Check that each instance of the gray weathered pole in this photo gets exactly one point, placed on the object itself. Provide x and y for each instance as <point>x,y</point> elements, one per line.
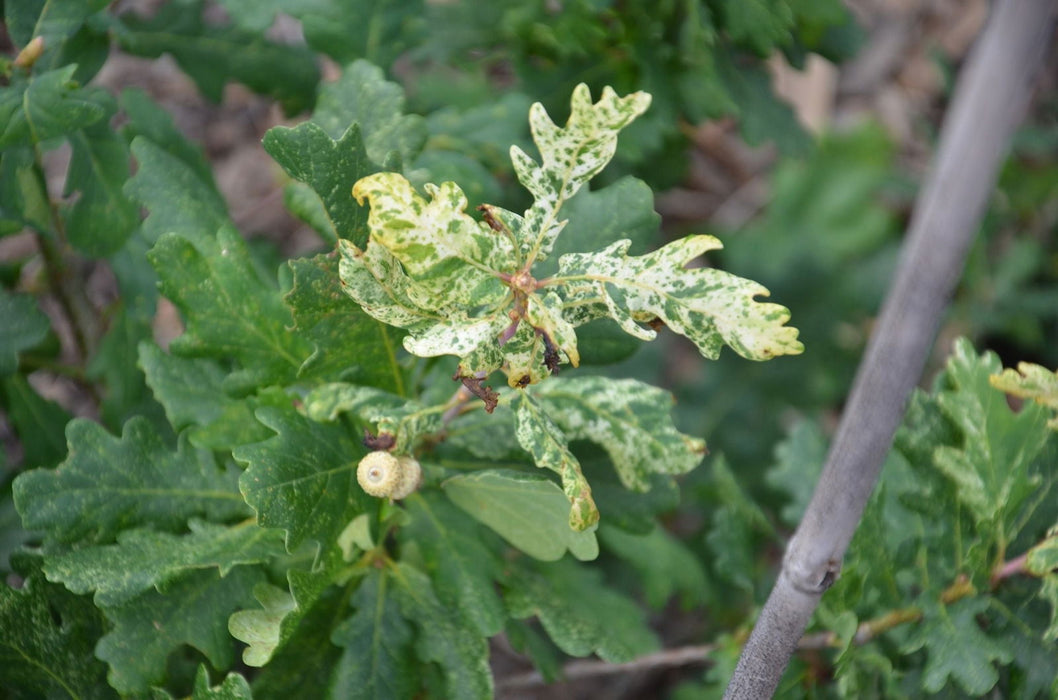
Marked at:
<point>989,101</point>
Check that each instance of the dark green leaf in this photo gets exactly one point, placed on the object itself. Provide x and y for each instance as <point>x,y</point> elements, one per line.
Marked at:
<point>47,635</point>
<point>231,309</point>
<point>303,479</point>
<point>38,423</point>
<point>462,568</point>
<point>53,20</point>
<point>212,55</point>
<point>664,564</point>
<point>24,199</point>
<point>145,559</point>
<point>102,217</point>
<point>233,687</point>
<point>443,636</point>
<point>579,613</point>
<point>363,96</point>
<point>124,392</point>
<point>376,30</point>
<point>957,648</point>
<point>108,484</point>
<point>760,25</point>
<point>49,105</point>
<point>798,461</point>
<point>24,327</point>
<point>347,340</point>
<point>376,659</point>
<point>329,167</point>
<point>193,610</point>
<point>528,511</point>
<point>178,196</point>
<point>191,390</point>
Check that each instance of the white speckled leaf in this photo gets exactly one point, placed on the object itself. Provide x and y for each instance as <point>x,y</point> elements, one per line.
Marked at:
<point>569,157</point>
<point>541,438</point>
<point>453,259</point>
<point>627,418</point>
<point>710,307</point>
<point>406,421</point>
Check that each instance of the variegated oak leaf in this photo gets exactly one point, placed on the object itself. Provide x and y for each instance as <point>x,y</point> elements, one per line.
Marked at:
<point>466,287</point>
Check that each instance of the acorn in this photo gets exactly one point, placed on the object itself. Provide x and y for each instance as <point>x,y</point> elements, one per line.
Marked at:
<point>384,475</point>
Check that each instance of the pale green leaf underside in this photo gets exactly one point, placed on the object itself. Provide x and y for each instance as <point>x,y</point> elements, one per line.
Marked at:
<point>529,512</point>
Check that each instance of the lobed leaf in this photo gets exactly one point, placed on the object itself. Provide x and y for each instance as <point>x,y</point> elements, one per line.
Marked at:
<point>376,642</point>
<point>47,635</point>
<point>569,157</point>
<point>708,306</point>
<point>271,625</point>
<point>627,418</point>
<point>579,613</point>
<point>230,308</point>
<point>303,479</point>
<point>348,343</point>
<point>443,636</point>
<point>957,648</point>
<point>665,565</point>
<point>102,217</point>
<point>108,484</point>
<point>193,610</point>
<point>529,512</point>
<point>461,567</point>
<point>992,468</point>
<point>541,438</point>
<point>405,421</point>
<point>48,105</point>
<point>144,559</point>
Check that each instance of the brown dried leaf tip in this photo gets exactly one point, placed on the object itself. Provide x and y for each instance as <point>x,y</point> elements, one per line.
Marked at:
<point>384,441</point>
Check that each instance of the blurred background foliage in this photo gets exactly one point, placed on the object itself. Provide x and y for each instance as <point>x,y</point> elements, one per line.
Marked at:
<point>810,197</point>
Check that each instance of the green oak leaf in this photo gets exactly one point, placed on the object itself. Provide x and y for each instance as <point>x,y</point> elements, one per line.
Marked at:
<point>24,326</point>
<point>38,422</point>
<point>798,461</point>
<point>1031,382</point>
<point>192,392</point>
<point>102,216</point>
<point>376,643</point>
<point>268,627</point>
<point>24,199</point>
<point>147,119</point>
<point>108,484</point>
<point>461,566</point>
<point>230,308</point>
<point>348,342</point>
<point>178,194</point>
<point>627,418</point>
<point>758,24</point>
<point>376,30</point>
<point>993,468</point>
<point>540,437</point>
<point>665,565</point>
<point>363,96</point>
<point>48,105</point>
<point>214,54</point>
<point>444,637</point>
<point>233,687</point>
<point>329,167</point>
<point>710,307</point>
<point>47,636</point>
<point>957,647</point>
<point>145,559</point>
<point>531,513</point>
<point>192,610</point>
<point>303,479</point>
<point>579,613</point>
